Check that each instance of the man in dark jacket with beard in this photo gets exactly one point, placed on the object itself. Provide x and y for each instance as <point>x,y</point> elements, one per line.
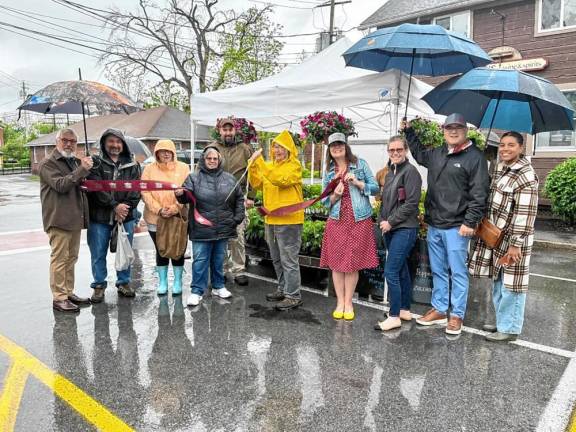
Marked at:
<point>108,208</point>
<point>458,186</point>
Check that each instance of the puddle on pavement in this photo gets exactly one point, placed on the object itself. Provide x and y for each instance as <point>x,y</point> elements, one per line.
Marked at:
<point>271,314</point>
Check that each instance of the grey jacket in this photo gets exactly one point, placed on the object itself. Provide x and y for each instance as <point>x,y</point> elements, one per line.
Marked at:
<point>401,195</point>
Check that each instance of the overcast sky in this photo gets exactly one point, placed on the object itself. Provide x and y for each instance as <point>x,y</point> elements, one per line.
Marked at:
<point>39,64</point>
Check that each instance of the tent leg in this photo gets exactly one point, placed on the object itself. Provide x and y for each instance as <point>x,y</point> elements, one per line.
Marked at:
<point>312,163</point>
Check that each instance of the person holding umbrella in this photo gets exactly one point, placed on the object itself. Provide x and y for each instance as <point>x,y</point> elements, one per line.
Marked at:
<point>115,162</point>
<point>458,186</point>
<point>512,207</point>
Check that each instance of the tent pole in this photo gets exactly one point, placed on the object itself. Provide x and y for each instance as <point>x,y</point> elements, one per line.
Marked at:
<point>312,163</point>
<point>409,82</point>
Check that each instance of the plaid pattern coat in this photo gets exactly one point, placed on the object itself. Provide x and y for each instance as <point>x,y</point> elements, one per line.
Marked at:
<point>512,207</point>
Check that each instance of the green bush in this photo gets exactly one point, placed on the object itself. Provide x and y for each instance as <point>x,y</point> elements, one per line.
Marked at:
<point>431,135</point>
<point>560,187</point>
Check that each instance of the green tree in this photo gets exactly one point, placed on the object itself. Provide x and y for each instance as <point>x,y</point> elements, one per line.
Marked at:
<point>250,53</point>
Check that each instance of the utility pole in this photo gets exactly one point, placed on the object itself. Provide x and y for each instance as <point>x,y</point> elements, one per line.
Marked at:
<point>332,4</point>
<point>24,95</point>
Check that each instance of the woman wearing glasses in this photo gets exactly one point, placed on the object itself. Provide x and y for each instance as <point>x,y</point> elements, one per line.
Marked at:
<point>399,224</point>
<point>222,203</point>
<point>348,245</point>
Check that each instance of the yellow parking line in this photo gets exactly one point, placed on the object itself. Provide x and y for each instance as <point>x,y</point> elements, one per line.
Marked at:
<point>12,394</point>
<point>86,406</point>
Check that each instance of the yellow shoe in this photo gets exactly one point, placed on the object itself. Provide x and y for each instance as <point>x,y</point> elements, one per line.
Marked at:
<point>349,316</point>
<point>338,314</point>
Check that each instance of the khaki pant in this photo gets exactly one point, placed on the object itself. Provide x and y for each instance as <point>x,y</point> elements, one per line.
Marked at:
<point>65,246</point>
<point>236,262</point>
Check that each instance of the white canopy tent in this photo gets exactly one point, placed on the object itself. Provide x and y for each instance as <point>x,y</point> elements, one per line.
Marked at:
<point>323,82</point>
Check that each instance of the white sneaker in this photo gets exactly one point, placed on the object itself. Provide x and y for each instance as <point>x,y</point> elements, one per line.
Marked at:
<point>194,300</point>
<point>221,292</point>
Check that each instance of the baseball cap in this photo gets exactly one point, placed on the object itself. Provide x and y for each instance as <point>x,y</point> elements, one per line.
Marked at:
<point>455,118</point>
<point>225,121</point>
<point>336,137</point>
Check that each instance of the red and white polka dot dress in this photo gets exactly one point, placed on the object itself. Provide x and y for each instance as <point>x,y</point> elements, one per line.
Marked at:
<point>348,246</point>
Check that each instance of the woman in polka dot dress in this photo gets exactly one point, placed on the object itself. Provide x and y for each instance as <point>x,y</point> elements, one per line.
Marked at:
<point>348,245</point>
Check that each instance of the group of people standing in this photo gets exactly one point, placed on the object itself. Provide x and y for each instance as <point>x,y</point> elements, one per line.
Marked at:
<point>460,195</point>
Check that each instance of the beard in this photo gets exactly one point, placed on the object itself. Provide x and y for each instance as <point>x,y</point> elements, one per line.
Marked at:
<point>229,140</point>
<point>67,154</point>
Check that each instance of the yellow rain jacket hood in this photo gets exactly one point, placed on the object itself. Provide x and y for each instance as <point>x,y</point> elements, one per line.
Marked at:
<point>280,182</point>
<point>172,172</point>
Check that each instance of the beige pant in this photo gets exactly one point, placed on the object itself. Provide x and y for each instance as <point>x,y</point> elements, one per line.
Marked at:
<point>65,246</point>
<point>236,262</point>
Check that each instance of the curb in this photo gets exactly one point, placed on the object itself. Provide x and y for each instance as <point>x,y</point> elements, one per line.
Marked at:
<point>546,244</point>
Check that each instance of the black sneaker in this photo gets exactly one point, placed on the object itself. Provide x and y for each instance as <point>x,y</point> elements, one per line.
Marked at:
<point>288,303</point>
<point>275,296</point>
<point>241,280</point>
<point>126,290</point>
<point>98,295</point>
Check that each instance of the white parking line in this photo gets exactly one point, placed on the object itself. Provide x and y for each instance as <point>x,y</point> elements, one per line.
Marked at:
<point>21,232</point>
<point>553,277</point>
<point>557,413</point>
<point>526,344</point>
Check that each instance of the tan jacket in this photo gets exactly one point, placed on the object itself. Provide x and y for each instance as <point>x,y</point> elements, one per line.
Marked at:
<point>64,204</point>
<point>173,172</point>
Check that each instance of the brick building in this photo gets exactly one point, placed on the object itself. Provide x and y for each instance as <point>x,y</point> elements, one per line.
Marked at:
<point>536,36</point>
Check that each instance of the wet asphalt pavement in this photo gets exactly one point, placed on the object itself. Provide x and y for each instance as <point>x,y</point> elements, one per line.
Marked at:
<point>238,365</point>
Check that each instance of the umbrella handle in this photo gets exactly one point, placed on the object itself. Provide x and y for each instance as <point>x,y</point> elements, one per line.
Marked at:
<point>409,82</point>
<point>493,117</point>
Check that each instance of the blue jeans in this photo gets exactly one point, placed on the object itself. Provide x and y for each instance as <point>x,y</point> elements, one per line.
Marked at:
<point>509,306</point>
<point>400,243</point>
<point>448,251</point>
<point>208,256</point>
<point>98,242</point>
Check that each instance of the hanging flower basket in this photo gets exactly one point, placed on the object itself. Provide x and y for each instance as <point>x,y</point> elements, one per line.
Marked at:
<point>318,126</point>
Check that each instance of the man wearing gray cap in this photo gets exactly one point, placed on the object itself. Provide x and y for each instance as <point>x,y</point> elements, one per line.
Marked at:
<point>458,187</point>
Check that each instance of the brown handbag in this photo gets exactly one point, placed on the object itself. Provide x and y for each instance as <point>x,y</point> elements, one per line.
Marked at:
<point>172,235</point>
<point>489,233</point>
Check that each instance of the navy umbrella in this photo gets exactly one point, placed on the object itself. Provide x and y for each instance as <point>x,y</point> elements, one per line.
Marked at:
<point>504,99</point>
<point>416,49</point>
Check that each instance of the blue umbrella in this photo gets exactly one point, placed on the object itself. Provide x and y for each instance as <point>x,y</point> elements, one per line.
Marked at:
<point>416,49</point>
<point>504,99</point>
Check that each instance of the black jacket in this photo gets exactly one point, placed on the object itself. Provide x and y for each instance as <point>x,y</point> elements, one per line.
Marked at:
<point>458,183</point>
<point>211,187</point>
<point>102,204</point>
<point>401,195</point>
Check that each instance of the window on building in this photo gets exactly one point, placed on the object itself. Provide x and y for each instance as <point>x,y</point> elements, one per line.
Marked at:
<point>458,23</point>
<point>557,14</point>
<point>559,140</point>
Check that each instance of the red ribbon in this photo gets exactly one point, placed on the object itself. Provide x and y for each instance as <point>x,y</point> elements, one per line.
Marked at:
<point>141,186</point>
<point>283,211</point>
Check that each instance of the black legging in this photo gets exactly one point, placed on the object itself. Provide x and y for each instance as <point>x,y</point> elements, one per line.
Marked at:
<point>162,261</point>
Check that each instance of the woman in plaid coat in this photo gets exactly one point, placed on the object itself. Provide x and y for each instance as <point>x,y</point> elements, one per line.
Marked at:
<point>512,207</point>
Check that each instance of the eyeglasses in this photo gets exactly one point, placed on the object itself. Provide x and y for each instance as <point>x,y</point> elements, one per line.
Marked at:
<point>211,158</point>
<point>454,128</point>
<point>68,141</point>
<point>398,150</point>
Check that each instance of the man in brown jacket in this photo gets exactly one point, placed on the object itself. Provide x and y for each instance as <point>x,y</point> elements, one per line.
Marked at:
<point>64,215</point>
<point>235,157</point>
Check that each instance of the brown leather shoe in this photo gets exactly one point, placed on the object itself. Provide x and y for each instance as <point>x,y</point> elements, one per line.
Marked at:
<point>454,326</point>
<point>432,317</point>
<point>79,300</point>
<point>64,306</point>
<point>98,295</point>
<point>125,290</point>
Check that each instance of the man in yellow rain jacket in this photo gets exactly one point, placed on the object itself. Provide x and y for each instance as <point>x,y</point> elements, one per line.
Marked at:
<point>281,183</point>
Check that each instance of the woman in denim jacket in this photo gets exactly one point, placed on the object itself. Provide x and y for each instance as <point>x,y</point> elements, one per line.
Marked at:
<point>348,245</point>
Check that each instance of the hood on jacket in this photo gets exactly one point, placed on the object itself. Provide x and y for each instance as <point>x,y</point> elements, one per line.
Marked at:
<point>202,162</point>
<point>284,139</point>
<point>165,144</point>
<point>118,134</point>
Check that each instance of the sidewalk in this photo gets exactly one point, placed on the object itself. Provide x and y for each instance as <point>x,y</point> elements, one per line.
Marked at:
<point>547,237</point>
